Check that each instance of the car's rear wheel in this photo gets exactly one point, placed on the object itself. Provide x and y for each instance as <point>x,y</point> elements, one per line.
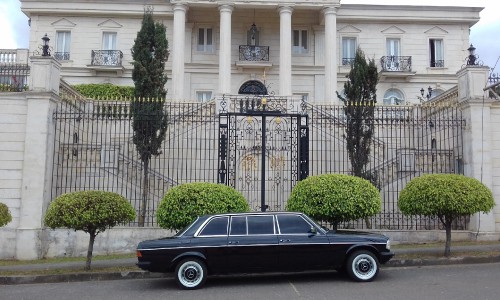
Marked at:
<point>362,265</point>
<point>191,273</point>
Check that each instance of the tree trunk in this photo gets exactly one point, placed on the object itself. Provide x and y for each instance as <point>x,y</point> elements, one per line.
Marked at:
<point>447,246</point>
<point>145,192</point>
<point>90,250</point>
<point>368,223</point>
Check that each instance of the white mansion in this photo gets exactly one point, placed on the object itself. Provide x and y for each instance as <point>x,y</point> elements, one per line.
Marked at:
<point>301,48</point>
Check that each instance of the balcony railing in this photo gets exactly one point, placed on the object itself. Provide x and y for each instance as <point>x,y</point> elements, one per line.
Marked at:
<point>347,61</point>
<point>254,53</point>
<point>437,64</point>
<point>396,63</point>
<point>112,58</point>
<point>61,55</point>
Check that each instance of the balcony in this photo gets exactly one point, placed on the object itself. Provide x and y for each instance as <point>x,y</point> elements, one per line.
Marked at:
<point>107,61</point>
<point>437,64</point>
<point>396,66</point>
<point>253,57</point>
<point>347,62</point>
<point>61,55</point>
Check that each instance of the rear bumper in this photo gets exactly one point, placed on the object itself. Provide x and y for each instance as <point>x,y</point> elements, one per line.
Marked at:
<point>145,265</point>
<point>385,256</point>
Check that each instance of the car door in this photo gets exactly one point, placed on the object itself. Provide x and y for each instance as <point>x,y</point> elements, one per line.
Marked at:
<point>211,241</point>
<point>301,248</point>
<point>252,244</point>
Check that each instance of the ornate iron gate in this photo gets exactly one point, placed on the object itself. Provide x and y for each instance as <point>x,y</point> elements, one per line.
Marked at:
<point>263,152</point>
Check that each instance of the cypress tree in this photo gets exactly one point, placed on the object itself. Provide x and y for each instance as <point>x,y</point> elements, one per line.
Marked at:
<point>359,107</point>
<point>149,119</point>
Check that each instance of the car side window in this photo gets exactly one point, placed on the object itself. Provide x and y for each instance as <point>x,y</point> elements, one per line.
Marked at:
<point>216,226</point>
<point>260,224</point>
<point>293,224</point>
<point>238,226</point>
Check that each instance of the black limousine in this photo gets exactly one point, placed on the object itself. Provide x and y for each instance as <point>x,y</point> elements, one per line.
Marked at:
<point>262,242</point>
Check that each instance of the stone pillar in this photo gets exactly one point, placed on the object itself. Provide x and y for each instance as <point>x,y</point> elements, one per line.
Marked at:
<point>285,50</point>
<point>178,44</point>
<point>225,49</point>
<point>38,155</point>
<point>330,14</point>
<point>477,136</point>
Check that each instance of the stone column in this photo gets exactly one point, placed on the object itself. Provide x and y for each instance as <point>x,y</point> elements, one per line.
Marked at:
<point>225,49</point>
<point>330,14</point>
<point>38,155</point>
<point>285,50</point>
<point>178,43</point>
<point>478,151</point>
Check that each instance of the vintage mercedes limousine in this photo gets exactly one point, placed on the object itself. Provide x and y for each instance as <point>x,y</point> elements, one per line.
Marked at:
<point>262,242</point>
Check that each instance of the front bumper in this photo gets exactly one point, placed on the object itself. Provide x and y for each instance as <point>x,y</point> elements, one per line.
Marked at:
<point>385,256</point>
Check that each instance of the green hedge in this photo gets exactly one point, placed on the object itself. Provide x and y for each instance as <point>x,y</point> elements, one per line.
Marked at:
<point>105,91</point>
<point>183,203</point>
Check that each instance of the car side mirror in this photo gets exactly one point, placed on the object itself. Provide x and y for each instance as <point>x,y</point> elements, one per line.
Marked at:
<point>313,230</point>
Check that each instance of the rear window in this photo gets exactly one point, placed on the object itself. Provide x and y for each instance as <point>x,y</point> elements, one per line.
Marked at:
<point>216,226</point>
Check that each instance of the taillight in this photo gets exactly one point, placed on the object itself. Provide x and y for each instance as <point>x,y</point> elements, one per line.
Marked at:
<point>138,253</point>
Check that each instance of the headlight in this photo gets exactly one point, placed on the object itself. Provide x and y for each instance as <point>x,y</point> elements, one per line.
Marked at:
<point>388,245</point>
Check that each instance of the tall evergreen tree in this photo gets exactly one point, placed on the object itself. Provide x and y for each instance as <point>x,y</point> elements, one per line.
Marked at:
<point>359,107</point>
<point>149,119</point>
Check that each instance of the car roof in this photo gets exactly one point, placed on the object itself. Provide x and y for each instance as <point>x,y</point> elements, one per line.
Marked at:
<point>252,213</point>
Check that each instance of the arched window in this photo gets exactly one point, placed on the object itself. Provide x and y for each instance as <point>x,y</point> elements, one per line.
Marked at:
<point>253,87</point>
<point>394,97</point>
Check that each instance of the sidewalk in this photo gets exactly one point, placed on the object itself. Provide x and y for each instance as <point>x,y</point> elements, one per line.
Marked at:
<point>426,254</point>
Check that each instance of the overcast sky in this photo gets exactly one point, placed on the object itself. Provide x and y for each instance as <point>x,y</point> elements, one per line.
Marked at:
<point>485,35</point>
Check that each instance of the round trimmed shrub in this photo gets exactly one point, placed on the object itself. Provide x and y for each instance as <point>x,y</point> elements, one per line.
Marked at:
<point>5,216</point>
<point>335,198</point>
<point>447,196</point>
<point>183,203</point>
<point>89,211</point>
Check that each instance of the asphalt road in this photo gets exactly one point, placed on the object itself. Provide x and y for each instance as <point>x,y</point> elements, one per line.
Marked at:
<point>455,282</point>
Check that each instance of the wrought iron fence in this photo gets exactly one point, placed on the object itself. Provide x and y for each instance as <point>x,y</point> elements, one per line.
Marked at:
<point>94,150</point>
<point>14,77</point>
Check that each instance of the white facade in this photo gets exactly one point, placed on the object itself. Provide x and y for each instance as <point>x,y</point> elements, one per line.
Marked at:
<point>309,44</point>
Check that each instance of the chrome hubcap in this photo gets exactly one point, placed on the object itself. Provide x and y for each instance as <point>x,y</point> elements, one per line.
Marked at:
<point>190,274</point>
<point>364,266</point>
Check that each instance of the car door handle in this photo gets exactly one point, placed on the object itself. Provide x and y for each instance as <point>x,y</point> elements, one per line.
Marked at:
<point>235,242</point>
<point>284,241</point>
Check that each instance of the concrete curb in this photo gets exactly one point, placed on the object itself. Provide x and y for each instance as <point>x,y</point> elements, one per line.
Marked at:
<point>99,276</point>
<point>75,277</point>
<point>442,261</point>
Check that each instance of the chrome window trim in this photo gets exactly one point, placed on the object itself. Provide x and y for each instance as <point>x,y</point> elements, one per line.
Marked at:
<point>204,224</point>
<point>307,220</point>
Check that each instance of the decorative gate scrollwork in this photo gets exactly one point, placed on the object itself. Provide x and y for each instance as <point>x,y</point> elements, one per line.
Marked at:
<point>263,152</point>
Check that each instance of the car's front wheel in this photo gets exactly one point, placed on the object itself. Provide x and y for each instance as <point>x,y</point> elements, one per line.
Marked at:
<point>362,265</point>
<point>191,273</point>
